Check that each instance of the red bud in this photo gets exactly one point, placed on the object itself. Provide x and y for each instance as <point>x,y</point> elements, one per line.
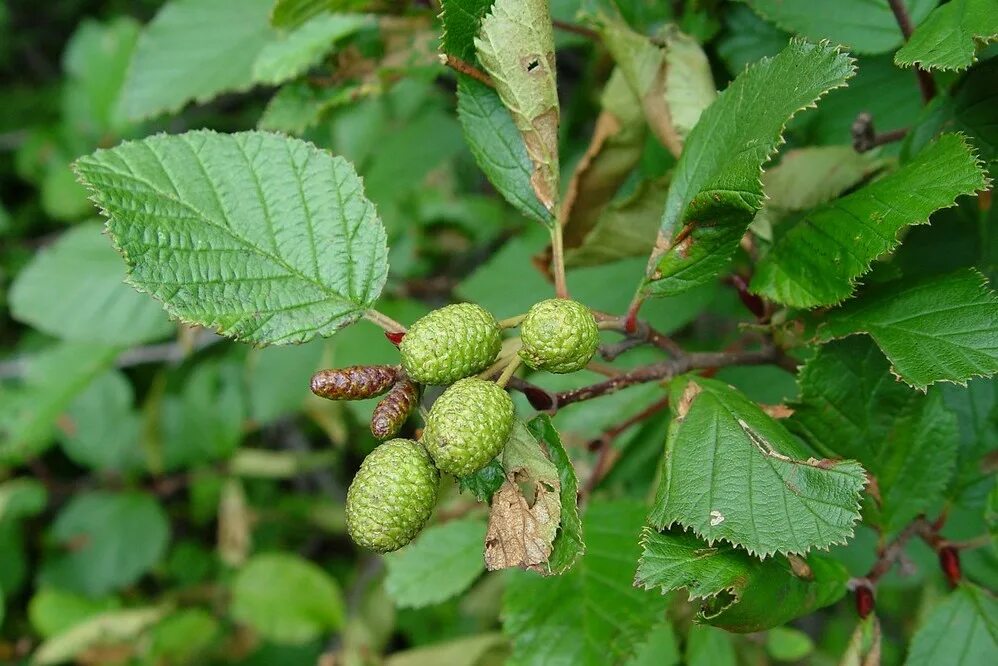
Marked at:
<point>395,337</point>
<point>949,560</point>
<point>865,602</point>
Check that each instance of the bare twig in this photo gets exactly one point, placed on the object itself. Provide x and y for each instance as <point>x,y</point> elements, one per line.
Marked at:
<point>604,444</point>
<point>666,370</point>
<point>576,29</point>
<point>865,138</point>
<point>637,332</point>
<point>925,82</point>
<point>463,67</point>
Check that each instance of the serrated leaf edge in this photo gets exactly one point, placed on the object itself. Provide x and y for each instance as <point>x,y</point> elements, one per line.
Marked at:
<point>130,262</point>
<point>856,282</point>
<point>666,244</point>
<point>819,338</point>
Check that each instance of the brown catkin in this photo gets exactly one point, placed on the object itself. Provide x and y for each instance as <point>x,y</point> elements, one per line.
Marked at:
<point>394,409</point>
<point>354,383</point>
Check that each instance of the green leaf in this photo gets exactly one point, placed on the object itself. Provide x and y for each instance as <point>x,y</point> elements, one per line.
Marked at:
<point>498,147</point>
<point>485,482</point>
<point>818,261</point>
<point>202,421</point>
<point>736,591</point>
<point>747,38</point>
<point>28,412</point>
<point>442,562</point>
<point>298,51</point>
<point>106,541</point>
<point>951,35</point>
<point>262,237</point>
<point>709,646</point>
<point>616,146</point>
<point>786,644</point>
<point>976,409</point>
<point>568,545</point>
<point>95,61</point>
<point>592,615</point>
<point>83,274</point>
<point>183,636</point>
<point>660,649</point>
<point>516,47</point>
<point>625,228</point>
<point>101,426</point>
<point>913,474</point>
<point>194,50</point>
<point>716,189</point>
<point>671,78</point>
<point>732,472</point>
<point>53,611</point>
<point>21,498</point>
<point>848,401</point>
<point>939,329</point>
<point>298,106</point>
<point>473,650</point>
<point>111,627</point>
<point>292,13</point>
<point>971,108</point>
<point>461,20</point>
<point>861,25</point>
<point>961,631</point>
<point>851,406</point>
<point>807,177</point>
<point>286,599</point>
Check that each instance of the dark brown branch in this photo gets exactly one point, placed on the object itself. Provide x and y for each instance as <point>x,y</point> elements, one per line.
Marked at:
<point>638,333</point>
<point>665,370</point>
<point>576,29</point>
<point>463,67</point>
<point>865,137</point>
<point>889,556</point>
<point>925,82</point>
<point>604,444</point>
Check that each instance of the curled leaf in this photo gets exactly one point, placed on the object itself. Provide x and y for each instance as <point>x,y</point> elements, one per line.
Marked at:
<point>516,47</point>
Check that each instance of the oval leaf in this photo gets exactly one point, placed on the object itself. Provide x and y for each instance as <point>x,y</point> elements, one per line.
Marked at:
<point>262,237</point>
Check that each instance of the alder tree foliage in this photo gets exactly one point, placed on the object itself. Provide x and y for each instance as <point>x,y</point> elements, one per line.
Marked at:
<point>680,316</point>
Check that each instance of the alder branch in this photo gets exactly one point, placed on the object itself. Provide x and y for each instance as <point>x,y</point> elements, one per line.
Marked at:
<point>604,444</point>
<point>463,67</point>
<point>865,137</point>
<point>576,29</point>
<point>903,18</point>
<point>637,334</point>
<point>665,370</point>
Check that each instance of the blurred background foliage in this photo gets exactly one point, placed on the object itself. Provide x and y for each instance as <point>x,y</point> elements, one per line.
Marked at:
<point>167,497</point>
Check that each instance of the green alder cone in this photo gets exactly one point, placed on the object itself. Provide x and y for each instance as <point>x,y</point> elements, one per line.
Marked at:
<point>392,496</point>
<point>559,336</point>
<point>450,343</point>
<point>468,426</point>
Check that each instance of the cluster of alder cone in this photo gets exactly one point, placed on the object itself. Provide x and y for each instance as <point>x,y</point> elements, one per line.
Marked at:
<point>458,346</point>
